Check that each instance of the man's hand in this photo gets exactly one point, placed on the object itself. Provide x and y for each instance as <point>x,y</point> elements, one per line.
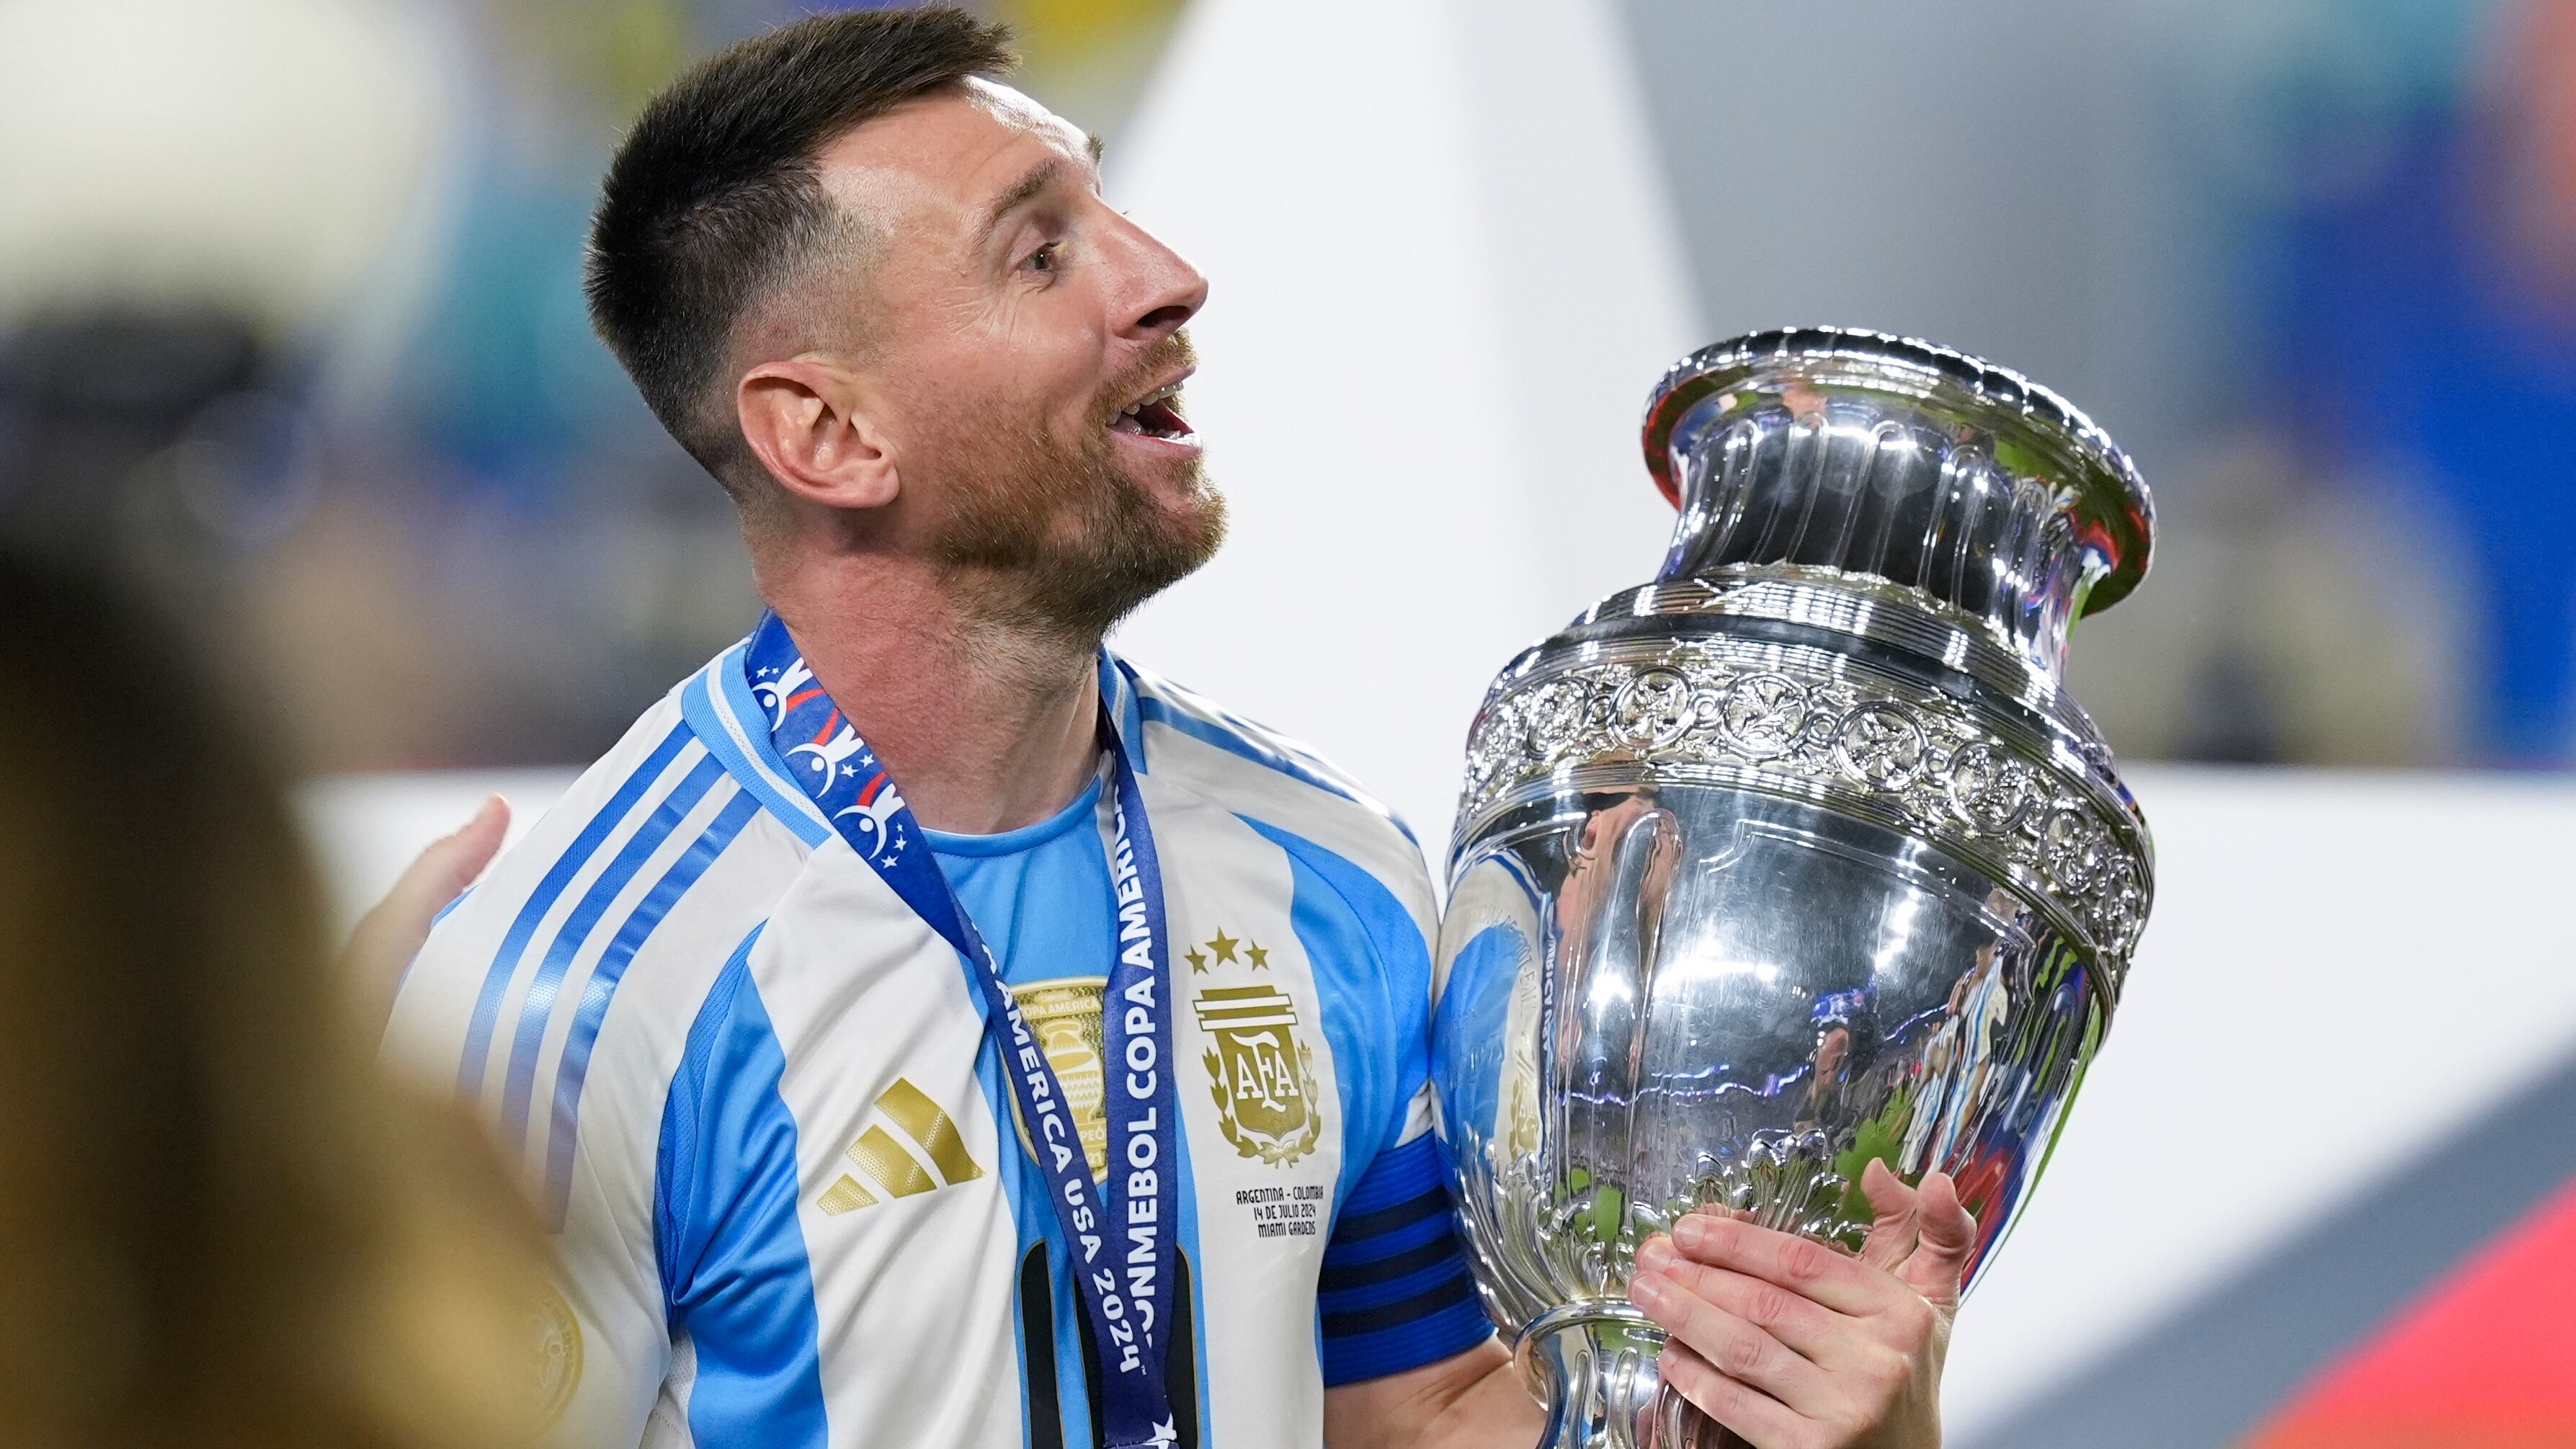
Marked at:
<point>1796,1346</point>
<point>387,937</point>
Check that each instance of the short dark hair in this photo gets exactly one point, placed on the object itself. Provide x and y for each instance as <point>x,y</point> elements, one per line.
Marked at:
<point>713,197</point>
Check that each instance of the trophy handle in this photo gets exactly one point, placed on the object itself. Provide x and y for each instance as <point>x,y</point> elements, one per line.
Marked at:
<point>1592,1365</point>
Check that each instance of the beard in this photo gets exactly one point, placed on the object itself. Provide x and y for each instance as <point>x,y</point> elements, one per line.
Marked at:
<point>1052,535</point>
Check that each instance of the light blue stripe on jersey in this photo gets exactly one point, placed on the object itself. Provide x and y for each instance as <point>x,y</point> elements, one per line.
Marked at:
<point>725,1215</point>
<point>720,709</point>
<point>602,986</point>
<point>1403,1299</point>
<point>1118,687</point>
<point>537,1008</point>
<point>505,962</point>
<point>1370,963</point>
<point>1235,741</point>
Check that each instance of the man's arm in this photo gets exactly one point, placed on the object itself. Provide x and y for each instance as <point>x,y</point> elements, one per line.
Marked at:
<point>1781,1339</point>
<point>381,946</point>
<point>610,1321</point>
<point>1470,1401</point>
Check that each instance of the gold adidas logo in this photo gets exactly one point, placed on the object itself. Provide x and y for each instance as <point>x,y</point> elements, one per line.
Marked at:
<point>896,1169</point>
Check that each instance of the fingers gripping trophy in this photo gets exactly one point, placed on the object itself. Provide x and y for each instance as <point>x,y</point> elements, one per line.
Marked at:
<point>1795,859</point>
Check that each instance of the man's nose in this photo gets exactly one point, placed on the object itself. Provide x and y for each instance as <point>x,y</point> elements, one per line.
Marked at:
<point>1166,290</point>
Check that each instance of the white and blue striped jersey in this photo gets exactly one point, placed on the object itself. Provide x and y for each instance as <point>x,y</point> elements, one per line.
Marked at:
<point>759,1107</point>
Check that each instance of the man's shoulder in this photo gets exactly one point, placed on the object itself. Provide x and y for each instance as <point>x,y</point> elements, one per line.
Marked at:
<point>637,884</point>
<point>1281,787</point>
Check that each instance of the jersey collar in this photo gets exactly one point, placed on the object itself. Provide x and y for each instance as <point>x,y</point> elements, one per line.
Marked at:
<point>731,722</point>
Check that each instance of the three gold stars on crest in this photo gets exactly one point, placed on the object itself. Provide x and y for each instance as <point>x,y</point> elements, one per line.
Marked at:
<point>1221,950</point>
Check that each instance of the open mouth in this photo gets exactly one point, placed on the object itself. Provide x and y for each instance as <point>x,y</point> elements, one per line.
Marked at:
<point>1154,416</point>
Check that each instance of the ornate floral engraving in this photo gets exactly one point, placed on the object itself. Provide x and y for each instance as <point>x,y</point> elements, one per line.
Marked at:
<point>1926,757</point>
<point>1988,787</point>
<point>1881,745</point>
<point>1655,707</point>
<point>1763,713</point>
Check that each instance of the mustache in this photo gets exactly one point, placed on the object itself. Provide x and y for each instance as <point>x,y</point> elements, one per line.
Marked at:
<point>1168,355</point>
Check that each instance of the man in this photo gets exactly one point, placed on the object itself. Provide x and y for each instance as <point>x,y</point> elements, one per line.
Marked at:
<point>925,1028</point>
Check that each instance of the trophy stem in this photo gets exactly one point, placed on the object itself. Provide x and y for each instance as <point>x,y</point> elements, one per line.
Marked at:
<point>1594,1367</point>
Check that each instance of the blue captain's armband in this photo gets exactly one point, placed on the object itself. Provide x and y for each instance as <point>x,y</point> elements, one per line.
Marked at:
<point>1394,1293</point>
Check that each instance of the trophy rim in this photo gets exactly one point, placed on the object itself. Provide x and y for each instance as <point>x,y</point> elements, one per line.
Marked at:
<point>2110,482</point>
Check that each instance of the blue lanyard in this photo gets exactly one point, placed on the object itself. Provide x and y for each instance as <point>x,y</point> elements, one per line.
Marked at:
<point>1123,1249</point>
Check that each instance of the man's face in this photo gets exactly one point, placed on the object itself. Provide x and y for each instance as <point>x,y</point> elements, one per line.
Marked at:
<point>1024,341</point>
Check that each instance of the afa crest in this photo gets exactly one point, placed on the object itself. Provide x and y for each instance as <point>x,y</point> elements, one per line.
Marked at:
<point>1262,1076</point>
<point>554,1354</point>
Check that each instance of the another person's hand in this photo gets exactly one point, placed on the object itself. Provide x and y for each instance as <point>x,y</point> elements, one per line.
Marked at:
<point>1794,1345</point>
<point>388,936</point>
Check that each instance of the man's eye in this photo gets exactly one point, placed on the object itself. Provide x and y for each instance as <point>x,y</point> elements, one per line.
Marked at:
<point>1044,259</point>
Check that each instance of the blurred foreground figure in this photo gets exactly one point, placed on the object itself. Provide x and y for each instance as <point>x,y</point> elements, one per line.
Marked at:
<point>217,1227</point>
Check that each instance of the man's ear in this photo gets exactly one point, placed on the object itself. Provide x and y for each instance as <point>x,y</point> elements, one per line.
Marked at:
<point>807,422</point>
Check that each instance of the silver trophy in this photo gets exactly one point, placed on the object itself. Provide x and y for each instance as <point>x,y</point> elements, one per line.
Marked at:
<point>1795,857</point>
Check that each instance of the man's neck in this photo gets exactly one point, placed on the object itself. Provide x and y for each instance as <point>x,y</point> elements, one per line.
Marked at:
<point>986,727</point>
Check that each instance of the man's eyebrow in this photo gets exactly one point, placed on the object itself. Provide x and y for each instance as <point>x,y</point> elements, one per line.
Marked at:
<point>1095,146</point>
<point>1022,192</point>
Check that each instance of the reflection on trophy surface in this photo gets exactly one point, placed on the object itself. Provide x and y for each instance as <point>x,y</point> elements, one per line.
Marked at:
<point>1795,857</point>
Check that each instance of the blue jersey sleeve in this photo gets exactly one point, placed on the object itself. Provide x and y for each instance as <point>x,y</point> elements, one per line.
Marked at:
<point>735,1277</point>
